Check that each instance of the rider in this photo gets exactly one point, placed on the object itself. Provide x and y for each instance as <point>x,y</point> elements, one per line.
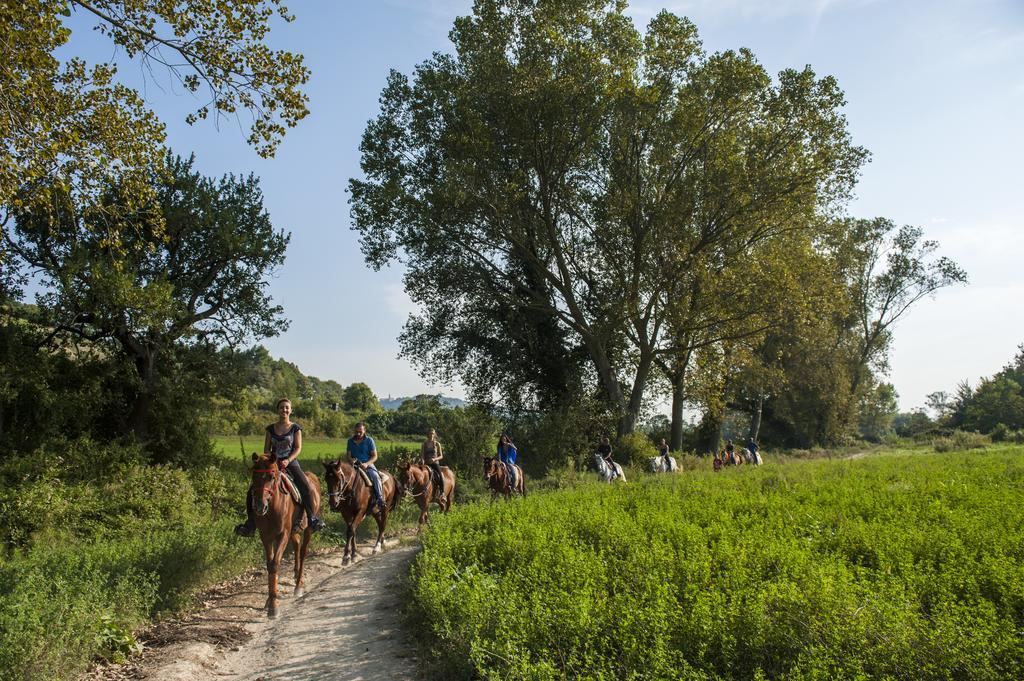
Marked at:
<point>431,452</point>
<point>363,451</point>
<point>507,455</point>
<point>284,440</point>
<point>605,450</point>
<point>663,452</point>
<point>752,447</point>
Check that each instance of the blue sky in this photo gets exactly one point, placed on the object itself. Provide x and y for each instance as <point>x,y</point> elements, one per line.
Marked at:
<point>935,91</point>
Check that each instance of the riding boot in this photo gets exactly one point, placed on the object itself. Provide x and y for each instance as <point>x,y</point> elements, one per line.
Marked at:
<point>248,528</point>
<point>315,524</point>
<point>297,518</point>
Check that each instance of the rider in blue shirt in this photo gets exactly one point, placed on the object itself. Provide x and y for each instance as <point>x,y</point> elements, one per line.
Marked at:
<point>363,451</point>
<point>507,455</point>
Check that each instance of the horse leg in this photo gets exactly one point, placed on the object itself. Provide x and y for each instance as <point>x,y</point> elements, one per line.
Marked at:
<point>273,563</point>
<point>349,534</point>
<point>382,522</point>
<point>355,528</point>
<point>423,512</point>
<point>299,558</point>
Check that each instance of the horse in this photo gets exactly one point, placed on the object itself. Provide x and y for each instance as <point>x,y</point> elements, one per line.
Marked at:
<point>274,510</point>
<point>656,464</point>
<point>496,476</point>
<point>606,472</point>
<point>352,496</point>
<point>416,478</point>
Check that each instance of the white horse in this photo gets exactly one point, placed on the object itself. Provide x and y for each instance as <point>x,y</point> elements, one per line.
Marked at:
<point>606,472</point>
<point>656,464</point>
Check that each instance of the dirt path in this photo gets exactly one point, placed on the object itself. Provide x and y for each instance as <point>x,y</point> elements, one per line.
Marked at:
<point>345,628</point>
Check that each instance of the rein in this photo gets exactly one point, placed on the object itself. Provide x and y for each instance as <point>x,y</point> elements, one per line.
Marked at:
<point>272,487</point>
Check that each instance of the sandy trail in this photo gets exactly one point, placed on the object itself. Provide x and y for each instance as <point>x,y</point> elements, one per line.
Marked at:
<point>345,628</point>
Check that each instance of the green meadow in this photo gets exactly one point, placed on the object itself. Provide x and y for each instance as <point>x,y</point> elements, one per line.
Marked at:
<point>906,566</point>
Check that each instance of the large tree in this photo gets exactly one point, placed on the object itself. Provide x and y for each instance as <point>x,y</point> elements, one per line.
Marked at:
<point>559,161</point>
<point>71,128</point>
<point>197,275</point>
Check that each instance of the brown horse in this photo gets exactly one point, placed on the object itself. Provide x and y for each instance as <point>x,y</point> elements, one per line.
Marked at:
<point>417,480</point>
<point>352,496</point>
<point>496,476</point>
<point>274,510</point>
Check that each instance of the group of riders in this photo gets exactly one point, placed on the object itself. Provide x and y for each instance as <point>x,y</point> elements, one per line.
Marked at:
<point>731,457</point>
<point>283,441</point>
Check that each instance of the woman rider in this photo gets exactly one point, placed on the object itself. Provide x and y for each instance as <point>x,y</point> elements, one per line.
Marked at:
<point>431,453</point>
<point>663,452</point>
<point>363,451</point>
<point>605,450</point>
<point>284,440</point>
<point>507,455</point>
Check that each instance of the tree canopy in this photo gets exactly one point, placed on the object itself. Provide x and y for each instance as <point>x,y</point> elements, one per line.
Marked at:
<point>563,172</point>
<point>71,128</point>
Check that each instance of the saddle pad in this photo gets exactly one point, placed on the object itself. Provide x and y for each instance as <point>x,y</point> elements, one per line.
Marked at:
<point>289,486</point>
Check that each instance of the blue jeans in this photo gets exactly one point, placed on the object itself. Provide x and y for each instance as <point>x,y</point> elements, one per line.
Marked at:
<point>375,481</point>
<point>511,474</point>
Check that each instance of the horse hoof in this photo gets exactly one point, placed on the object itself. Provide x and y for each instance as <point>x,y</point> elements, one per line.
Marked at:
<point>299,592</point>
<point>272,613</point>
<point>346,560</point>
<point>375,550</point>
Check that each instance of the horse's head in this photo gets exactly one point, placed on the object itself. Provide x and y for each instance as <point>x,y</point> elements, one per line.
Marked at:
<point>266,475</point>
<point>491,465</point>
<point>403,477</point>
<point>338,484</point>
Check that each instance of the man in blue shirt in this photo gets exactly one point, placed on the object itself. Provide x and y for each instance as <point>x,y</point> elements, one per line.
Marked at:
<point>363,452</point>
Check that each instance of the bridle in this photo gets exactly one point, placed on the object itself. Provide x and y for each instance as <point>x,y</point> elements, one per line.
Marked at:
<point>341,495</point>
<point>407,489</point>
<point>274,482</point>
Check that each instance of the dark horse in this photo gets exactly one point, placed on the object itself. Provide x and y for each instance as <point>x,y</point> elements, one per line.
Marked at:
<point>352,496</point>
<point>496,475</point>
<point>417,480</point>
<point>274,510</point>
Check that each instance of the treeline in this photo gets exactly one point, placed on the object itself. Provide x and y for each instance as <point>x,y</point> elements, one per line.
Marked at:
<point>595,219</point>
<point>995,407</point>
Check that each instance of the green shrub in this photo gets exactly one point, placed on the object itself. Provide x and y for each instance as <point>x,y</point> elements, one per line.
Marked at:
<point>91,560</point>
<point>634,449</point>
<point>961,440</point>
<point>883,567</point>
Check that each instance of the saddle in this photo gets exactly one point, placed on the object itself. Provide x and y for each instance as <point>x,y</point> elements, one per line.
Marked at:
<point>290,488</point>
<point>384,477</point>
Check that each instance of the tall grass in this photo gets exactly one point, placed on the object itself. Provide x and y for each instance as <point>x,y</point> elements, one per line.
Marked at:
<point>908,567</point>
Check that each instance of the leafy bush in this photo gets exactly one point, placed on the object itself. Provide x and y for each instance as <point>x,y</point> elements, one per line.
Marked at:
<point>94,559</point>
<point>961,440</point>
<point>634,449</point>
<point>885,567</point>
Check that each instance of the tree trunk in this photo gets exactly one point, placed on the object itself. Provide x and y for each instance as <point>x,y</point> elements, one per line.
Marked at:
<point>711,430</point>
<point>627,424</point>
<point>677,415</point>
<point>138,418</point>
<point>755,421</point>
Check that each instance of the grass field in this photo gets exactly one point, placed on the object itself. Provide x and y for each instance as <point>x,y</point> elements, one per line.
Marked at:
<point>907,566</point>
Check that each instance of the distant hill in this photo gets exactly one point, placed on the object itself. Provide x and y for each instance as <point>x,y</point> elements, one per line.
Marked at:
<point>391,404</point>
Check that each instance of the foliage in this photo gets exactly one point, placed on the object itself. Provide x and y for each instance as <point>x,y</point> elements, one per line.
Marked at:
<point>71,128</point>
<point>886,567</point>
<point>88,558</point>
<point>415,416</point>
<point>878,407</point>
<point>468,434</point>
<point>359,398</point>
<point>961,440</point>
<point>184,284</point>
<point>634,449</point>
<point>912,424</point>
<point>513,176</point>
